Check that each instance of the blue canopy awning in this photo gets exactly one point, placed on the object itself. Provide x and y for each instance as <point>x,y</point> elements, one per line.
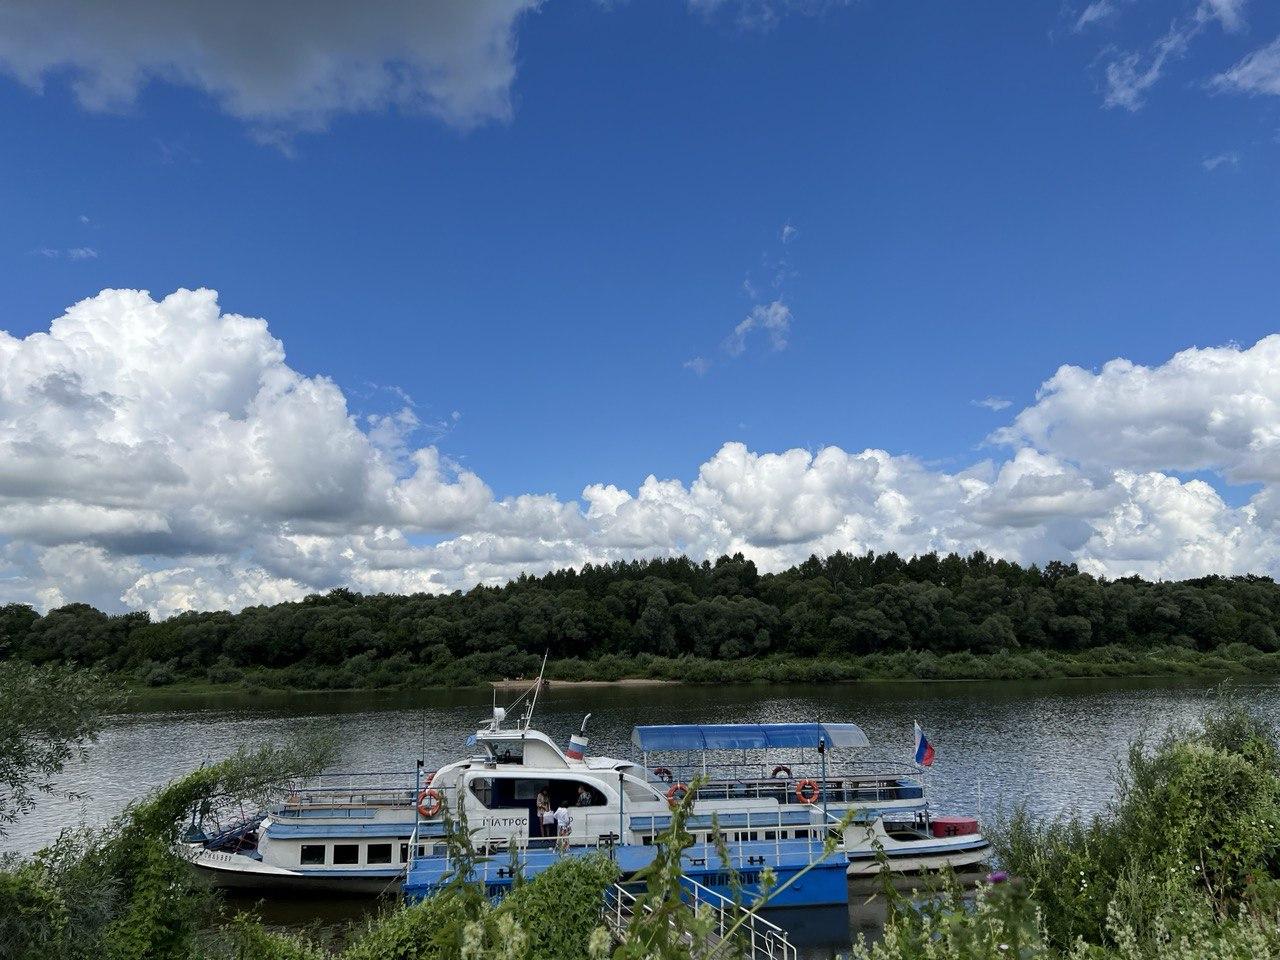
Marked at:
<point>747,736</point>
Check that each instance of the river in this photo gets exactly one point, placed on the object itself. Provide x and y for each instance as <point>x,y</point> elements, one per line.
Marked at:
<point>1051,745</point>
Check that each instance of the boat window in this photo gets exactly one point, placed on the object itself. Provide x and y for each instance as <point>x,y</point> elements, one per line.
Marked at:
<point>404,853</point>
<point>526,789</point>
<point>572,795</point>
<point>504,793</point>
<point>508,752</point>
<point>312,854</point>
<point>346,853</point>
<point>638,791</point>
<point>482,790</point>
<point>378,853</point>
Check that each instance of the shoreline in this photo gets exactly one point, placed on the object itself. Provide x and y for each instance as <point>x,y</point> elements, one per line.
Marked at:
<point>551,683</point>
<point>204,689</point>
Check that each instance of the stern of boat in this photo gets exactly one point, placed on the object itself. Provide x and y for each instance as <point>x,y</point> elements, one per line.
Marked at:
<point>912,849</point>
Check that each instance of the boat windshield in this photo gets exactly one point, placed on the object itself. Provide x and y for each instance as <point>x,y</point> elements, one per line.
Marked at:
<point>507,751</point>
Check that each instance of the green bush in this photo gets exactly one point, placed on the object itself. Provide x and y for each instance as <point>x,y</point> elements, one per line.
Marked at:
<point>159,675</point>
<point>223,670</point>
<point>433,929</point>
<point>560,908</point>
<point>1196,822</point>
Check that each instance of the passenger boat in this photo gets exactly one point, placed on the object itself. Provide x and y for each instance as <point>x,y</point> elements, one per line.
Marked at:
<point>772,792</point>
<point>766,796</point>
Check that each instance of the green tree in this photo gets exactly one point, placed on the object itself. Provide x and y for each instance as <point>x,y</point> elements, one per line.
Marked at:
<point>48,715</point>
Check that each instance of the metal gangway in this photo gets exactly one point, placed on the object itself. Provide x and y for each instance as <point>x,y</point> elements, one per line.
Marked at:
<point>752,936</point>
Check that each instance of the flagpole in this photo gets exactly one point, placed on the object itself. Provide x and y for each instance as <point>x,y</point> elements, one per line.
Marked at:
<point>822,752</point>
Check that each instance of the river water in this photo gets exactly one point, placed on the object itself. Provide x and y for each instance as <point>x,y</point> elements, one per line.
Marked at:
<point>1051,745</point>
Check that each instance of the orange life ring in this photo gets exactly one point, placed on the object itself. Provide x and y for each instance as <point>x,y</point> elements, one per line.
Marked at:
<point>781,769</point>
<point>676,793</point>
<point>429,810</point>
<point>663,774</point>
<point>807,791</point>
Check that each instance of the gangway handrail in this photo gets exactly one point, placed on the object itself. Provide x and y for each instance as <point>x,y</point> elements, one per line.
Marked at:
<point>760,939</point>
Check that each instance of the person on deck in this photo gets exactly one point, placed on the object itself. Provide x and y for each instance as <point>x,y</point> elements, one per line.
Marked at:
<point>546,821</point>
<point>564,822</point>
<point>584,797</point>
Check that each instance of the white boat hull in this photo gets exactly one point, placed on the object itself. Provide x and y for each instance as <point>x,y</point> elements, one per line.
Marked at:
<point>923,863</point>
<point>234,871</point>
<point>871,850</point>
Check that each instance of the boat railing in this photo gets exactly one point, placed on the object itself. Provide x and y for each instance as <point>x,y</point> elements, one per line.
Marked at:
<point>746,842</point>
<point>755,937</point>
<point>346,791</point>
<point>780,771</point>
<point>832,789</point>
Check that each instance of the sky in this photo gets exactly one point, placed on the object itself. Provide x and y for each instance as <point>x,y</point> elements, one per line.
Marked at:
<point>421,295</point>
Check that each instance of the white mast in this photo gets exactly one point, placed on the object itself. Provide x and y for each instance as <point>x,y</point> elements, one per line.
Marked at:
<point>537,688</point>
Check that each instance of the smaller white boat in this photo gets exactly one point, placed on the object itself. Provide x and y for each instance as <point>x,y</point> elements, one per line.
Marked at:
<point>912,849</point>
<point>346,833</point>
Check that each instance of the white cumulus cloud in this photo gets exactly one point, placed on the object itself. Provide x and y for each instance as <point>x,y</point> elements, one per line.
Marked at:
<point>1215,408</point>
<point>162,454</point>
<point>279,65</point>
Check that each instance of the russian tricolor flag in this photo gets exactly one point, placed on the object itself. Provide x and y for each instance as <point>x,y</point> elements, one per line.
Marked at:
<point>924,749</point>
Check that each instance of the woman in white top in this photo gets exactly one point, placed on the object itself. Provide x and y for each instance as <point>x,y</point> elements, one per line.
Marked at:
<point>564,823</point>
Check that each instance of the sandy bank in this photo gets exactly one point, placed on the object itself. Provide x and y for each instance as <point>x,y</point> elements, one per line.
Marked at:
<point>573,684</point>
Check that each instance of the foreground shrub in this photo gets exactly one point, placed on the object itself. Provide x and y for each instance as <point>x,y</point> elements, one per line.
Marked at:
<point>1196,825</point>
<point>123,893</point>
<point>1004,922</point>
<point>559,909</point>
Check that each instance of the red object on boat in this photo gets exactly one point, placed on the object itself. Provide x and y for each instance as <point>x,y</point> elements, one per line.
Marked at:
<point>953,826</point>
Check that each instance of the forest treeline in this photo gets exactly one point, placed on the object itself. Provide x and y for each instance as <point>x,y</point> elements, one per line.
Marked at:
<point>842,617</point>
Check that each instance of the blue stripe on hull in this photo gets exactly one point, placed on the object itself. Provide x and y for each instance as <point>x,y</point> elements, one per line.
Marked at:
<point>825,884</point>
<point>296,831</point>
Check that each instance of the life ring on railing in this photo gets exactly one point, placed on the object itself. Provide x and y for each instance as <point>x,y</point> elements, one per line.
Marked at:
<point>663,774</point>
<point>430,809</point>
<point>807,791</point>
<point>780,768</point>
<point>676,794</point>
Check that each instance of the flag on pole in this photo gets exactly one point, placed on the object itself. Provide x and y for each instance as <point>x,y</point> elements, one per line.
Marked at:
<point>924,749</point>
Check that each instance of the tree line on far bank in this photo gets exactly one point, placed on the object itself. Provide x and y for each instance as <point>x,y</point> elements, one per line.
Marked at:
<point>655,615</point>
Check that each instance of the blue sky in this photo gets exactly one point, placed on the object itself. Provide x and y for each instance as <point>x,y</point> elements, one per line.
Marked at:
<point>970,200</point>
